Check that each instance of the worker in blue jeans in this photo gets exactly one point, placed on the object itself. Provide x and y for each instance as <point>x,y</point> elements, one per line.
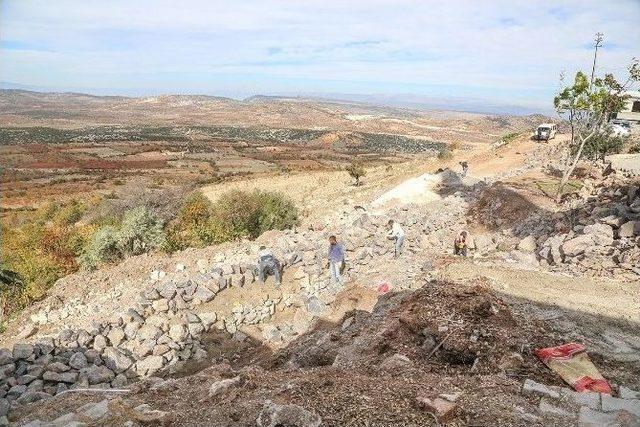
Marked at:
<point>336,262</point>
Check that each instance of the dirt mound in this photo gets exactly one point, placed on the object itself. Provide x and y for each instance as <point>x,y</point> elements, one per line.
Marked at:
<point>367,369</point>
<point>441,328</point>
<point>498,204</point>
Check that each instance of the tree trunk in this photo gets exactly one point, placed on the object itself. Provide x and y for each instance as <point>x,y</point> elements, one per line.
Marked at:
<point>571,167</point>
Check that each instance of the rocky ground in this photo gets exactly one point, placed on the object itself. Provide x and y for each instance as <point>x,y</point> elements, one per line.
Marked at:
<point>425,339</point>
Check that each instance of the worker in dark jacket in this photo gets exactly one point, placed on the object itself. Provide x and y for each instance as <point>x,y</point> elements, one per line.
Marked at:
<point>268,265</point>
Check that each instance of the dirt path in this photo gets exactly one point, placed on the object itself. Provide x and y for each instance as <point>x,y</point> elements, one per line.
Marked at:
<point>598,296</point>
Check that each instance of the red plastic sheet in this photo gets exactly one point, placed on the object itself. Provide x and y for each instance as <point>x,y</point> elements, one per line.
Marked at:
<point>572,363</point>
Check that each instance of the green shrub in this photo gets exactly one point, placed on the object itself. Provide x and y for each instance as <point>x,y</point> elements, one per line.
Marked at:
<point>277,212</point>
<point>140,232</point>
<point>192,226</point>
<point>102,247</point>
<point>11,290</point>
<point>237,214</point>
<point>635,148</point>
<point>601,145</point>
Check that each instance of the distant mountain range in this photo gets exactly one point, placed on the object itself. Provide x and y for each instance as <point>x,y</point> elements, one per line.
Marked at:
<point>411,101</point>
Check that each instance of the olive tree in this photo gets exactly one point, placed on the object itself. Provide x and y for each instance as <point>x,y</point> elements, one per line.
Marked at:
<point>587,107</point>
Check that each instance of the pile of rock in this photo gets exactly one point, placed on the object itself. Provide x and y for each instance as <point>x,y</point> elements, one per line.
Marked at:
<point>563,406</point>
<point>604,237</point>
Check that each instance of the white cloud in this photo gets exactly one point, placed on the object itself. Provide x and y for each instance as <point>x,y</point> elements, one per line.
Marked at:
<point>515,48</point>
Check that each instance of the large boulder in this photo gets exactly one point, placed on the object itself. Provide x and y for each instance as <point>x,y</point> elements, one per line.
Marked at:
<point>6,356</point>
<point>528,244</point>
<point>577,245</point>
<point>602,234</point>
<point>149,365</point>
<point>98,374</point>
<point>22,351</point>
<point>116,360</point>
<point>629,229</point>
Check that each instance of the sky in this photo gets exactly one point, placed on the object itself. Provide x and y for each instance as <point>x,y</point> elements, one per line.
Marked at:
<point>510,52</point>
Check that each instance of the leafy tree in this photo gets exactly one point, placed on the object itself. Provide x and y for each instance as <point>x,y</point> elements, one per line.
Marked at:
<point>356,171</point>
<point>603,144</point>
<point>587,107</point>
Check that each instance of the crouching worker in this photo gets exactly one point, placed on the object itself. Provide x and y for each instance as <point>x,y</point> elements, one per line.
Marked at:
<point>460,245</point>
<point>335,262</point>
<point>268,265</point>
<point>396,233</point>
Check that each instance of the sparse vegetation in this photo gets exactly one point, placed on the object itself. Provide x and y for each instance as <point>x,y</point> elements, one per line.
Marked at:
<point>356,171</point>
<point>602,144</point>
<point>445,154</point>
<point>509,137</point>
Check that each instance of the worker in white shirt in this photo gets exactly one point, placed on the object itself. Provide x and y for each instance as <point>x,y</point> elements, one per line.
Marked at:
<point>396,233</point>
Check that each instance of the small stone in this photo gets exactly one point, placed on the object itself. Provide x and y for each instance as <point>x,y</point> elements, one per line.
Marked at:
<point>22,351</point>
<point>274,415</point>
<point>4,407</point>
<point>57,367</point>
<point>528,244</point>
<point>395,363</point>
<point>222,386</point>
<point>98,374</point>
<point>157,274</point>
<point>627,393</point>
<point>145,415</point>
<point>546,407</point>
<point>32,396</point>
<point>6,356</point>
<point>441,408</point>
<point>99,342</point>
<point>203,294</point>
<point>115,336</point>
<point>161,305</point>
<point>610,403</point>
<point>116,360</point>
<point>149,365</point>
<point>532,387</point>
<point>27,331</point>
<point>78,361</point>
<point>95,411</point>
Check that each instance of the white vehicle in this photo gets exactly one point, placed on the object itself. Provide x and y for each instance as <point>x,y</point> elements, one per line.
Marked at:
<point>546,131</point>
<point>621,129</point>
